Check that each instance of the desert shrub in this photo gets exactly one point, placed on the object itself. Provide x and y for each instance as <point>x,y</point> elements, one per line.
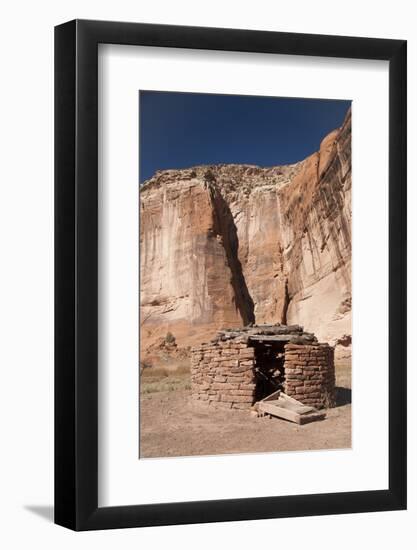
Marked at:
<point>169,338</point>
<point>209,176</point>
<point>167,385</point>
<point>328,401</point>
<point>145,364</point>
<point>155,372</point>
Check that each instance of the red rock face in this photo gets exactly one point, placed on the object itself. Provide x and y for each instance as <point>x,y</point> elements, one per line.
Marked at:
<point>226,245</point>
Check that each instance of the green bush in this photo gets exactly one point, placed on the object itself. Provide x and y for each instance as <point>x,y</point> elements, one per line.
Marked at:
<point>169,338</point>
<point>209,176</point>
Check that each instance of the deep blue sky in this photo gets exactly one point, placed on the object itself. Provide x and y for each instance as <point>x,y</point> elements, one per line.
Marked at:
<point>180,130</point>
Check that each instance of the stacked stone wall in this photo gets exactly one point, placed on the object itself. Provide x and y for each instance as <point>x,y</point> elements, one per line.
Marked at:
<point>223,375</point>
<point>310,375</point>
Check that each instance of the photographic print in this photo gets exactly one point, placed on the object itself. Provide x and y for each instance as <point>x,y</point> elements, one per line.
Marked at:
<point>245,274</point>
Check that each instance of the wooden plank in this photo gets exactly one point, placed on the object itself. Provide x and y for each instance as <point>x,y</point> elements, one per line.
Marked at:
<point>274,410</point>
<point>273,397</point>
<point>288,414</point>
<point>290,399</point>
<point>284,400</point>
<point>297,405</point>
<point>312,417</point>
<point>283,406</point>
<point>305,409</point>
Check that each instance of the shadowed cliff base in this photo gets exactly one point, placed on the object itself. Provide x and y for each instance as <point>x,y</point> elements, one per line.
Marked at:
<point>225,227</point>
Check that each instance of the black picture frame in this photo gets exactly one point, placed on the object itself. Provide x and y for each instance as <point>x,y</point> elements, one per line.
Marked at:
<point>76,272</point>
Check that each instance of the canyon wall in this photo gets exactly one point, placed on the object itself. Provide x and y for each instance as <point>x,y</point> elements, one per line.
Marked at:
<point>228,245</point>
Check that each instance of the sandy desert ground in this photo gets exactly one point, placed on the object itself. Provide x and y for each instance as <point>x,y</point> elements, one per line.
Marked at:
<point>173,425</point>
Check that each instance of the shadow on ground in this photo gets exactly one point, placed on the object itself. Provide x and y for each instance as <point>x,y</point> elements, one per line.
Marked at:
<point>343,396</point>
<point>45,512</point>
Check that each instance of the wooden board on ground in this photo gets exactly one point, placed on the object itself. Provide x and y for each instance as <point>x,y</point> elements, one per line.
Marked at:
<point>283,406</point>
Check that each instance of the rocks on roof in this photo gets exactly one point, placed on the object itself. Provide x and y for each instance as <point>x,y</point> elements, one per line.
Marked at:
<point>267,333</point>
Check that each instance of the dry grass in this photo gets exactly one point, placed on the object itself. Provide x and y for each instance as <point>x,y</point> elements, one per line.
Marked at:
<point>177,377</point>
<point>154,372</point>
<point>343,372</point>
<point>165,379</point>
<point>170,384</point>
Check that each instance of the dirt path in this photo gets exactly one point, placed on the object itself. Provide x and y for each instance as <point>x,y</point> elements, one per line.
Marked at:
<point>173,425</point>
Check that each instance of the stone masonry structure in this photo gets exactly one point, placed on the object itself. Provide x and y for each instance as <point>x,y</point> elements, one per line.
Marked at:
<point>242,366</point>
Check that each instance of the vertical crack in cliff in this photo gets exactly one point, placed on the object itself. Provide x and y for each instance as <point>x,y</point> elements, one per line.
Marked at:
<point>286,303</point>
<point>225,228</point>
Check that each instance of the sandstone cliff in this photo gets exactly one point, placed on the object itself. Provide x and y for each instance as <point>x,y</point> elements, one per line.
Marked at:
<point>227,245</point>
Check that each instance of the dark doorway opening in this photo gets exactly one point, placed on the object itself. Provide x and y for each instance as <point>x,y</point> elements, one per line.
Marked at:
<point>269,368</point>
